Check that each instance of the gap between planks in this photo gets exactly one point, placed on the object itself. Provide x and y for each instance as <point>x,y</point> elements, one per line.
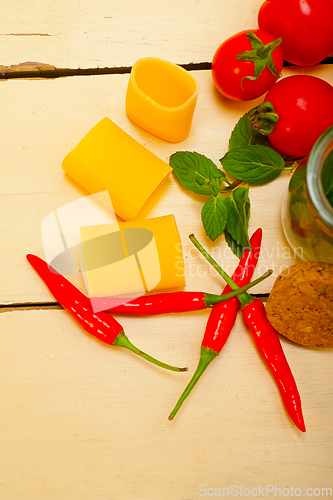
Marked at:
<point>29,306</point>
<point>34,306</point>
<point>41,70</point>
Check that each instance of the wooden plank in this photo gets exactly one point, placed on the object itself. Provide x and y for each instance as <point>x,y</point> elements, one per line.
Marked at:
<point>98,34</point>
<point>43,120</point>
<point>80,419</point>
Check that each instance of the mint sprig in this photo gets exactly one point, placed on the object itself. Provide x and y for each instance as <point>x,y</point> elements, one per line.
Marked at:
<point>227,209</point>
<point>199,174</point>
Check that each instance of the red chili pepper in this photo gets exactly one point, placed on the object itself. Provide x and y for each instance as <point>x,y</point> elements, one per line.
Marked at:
<point>159,303</point>
<point>101,324</point>
<point>268,344</point>
<point>223,317</point>
<point>172,302</point>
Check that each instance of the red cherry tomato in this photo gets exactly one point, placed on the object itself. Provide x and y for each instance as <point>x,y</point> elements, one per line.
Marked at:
<point>306,28</point>
<point>304,105</point>
<point>231,76</point>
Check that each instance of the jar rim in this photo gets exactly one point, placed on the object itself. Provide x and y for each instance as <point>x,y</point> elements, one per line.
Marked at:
<point>315,163</point>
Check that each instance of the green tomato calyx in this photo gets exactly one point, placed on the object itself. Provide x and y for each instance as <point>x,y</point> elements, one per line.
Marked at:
<point>260,55</point>
<point>263,118</point>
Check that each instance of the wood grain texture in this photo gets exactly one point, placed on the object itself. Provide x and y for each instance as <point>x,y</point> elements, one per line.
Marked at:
<point>80,419</point>
<point>44,119</point>
<point>97,34</point>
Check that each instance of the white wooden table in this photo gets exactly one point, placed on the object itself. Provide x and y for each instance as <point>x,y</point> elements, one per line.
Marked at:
<point>81,420</point>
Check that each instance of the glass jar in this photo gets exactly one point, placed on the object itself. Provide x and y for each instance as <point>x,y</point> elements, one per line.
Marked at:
<point>307,213</point>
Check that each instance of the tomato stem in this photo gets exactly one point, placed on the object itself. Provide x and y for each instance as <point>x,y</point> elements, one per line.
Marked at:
<point>263,118</point>
<point>260,55</point>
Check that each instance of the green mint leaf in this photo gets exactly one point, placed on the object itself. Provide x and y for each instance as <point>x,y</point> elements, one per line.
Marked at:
<point>196,172</point>
<point>238,214</point>
<point>235,247</point>
<point>215,187</point>
<point>214,216</point>
<point>254,164</point>
<point>245,135</point>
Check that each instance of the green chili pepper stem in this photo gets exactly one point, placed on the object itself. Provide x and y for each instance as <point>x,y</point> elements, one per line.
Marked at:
<point>211,299</point>
<point>122,341</point>
<point>244,298</point>
<point>206,357</point>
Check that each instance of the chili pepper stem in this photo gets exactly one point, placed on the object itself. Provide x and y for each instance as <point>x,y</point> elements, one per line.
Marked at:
<point>122,341</point>
<point>211,299</point>
<point>206,357</point>
<point>244,298</point>
<point>172,302</point>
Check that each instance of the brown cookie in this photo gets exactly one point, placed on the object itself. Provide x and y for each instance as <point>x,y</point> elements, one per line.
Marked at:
<point>300,306</point>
